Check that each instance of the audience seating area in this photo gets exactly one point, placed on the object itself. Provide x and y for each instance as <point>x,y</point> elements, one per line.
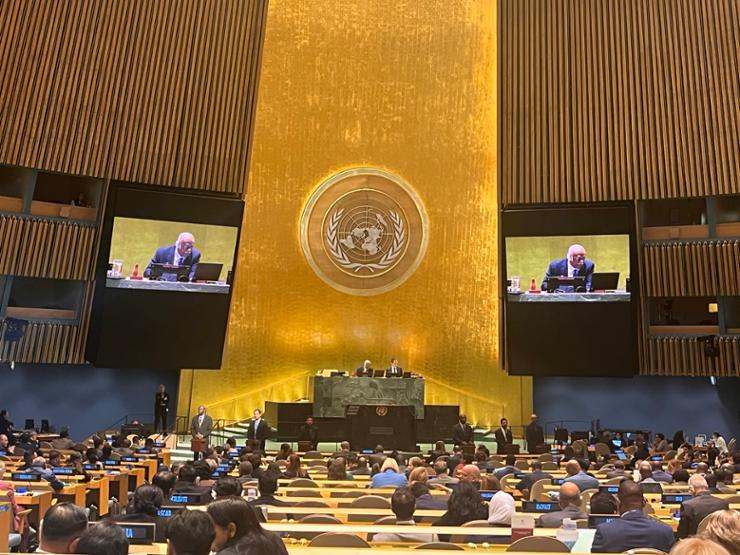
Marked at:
<point>335,509</point>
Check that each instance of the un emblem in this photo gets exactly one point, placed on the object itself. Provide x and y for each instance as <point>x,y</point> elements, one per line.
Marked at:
<point>364,231</point>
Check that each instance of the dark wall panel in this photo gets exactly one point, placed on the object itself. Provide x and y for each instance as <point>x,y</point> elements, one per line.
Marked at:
<point>652,403</point>
<point>84,398</point>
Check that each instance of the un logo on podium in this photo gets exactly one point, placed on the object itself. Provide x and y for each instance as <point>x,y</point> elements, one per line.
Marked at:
<point>364,231</point>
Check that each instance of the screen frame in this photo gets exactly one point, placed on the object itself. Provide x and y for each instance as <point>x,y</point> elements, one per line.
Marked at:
<point>138,200</point>
<point>538,220</point>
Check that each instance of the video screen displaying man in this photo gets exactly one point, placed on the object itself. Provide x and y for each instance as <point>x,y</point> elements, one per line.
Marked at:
<point>574,264</point>
<point>182,254</point>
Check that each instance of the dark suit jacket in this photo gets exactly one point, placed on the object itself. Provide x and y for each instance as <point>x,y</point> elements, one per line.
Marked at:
<point>560,268</point>
<point>362,372</point>
<point>632,530</point>
<point>694,510</point>
<point>309,434</point>
<point>390,373</point>
<point>462,434</point>
<point>165,255</point>
<point>258,432</point>
<point>535,436</point>
<point>429,501</point>
<point>502,440</point>
<point>204,429</point>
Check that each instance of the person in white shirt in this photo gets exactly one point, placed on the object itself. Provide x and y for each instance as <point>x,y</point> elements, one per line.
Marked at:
<point>719,443</point>
<point>403,504</point>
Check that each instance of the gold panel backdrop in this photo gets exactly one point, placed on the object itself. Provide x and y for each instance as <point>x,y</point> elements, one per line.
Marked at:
<point>408,87</point>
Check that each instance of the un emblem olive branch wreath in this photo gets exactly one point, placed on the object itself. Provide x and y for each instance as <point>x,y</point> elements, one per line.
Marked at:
<point>388,258</point>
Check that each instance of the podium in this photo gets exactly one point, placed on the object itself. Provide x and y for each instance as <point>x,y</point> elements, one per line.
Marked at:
<point>198,445</point>
<point>392,426</point>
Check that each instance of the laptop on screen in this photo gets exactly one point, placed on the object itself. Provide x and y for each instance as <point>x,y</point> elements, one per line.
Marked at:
<point>604,281</point>
<point>208,271</point>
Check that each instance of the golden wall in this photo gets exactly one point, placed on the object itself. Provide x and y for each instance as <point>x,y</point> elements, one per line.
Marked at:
<point>408,87</point>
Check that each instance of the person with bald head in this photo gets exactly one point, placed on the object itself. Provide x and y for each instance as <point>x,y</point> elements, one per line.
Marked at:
<point>700,505</point>
<point>182,253</point>
<point>569,499</point>
<point>470,474</point>
<point>201,427</point>
<point>646,472</point>
<point>574,264</point>
<point>577,476</point>
<point>633,529</point>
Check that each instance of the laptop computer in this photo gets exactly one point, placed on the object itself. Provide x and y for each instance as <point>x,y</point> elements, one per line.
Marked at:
<point>604,281</point>
<point>378,373</point>
<point>208,271</point>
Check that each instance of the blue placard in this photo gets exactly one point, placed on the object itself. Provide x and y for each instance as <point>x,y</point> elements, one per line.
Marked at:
<point>673,498</point>
<point>90,467</point>
<point>111,462</point>
<point>558,481</point>
<point>129,459</point>
<point>26,477</point>
<point>63,471</point>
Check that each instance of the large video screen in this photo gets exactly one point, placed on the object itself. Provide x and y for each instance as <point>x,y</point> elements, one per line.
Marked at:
<point>597,267</point>
<point>171,256</point>
<point>569,308</point>
<point>164,278</point>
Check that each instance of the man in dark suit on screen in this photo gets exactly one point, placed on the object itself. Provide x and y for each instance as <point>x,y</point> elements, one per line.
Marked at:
<point>258,429</point>
<point>182,253</point>
<point>573,265</point>
<point>201,427</point>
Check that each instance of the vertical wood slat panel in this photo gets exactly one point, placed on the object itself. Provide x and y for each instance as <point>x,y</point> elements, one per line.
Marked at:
<point>684,356</point>
<point>34,247</point>
<point>649,107</point>
<point>704,269</point>
<point>155,92</point>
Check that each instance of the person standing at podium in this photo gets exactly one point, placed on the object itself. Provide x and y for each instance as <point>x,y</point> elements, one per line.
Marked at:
<point>201,428</point>
<point>394,370</point>
<point>503,437</point>
<point>462,433</point>
<point>258,428</point>
<point>365,370</point>
<point>309,432</point>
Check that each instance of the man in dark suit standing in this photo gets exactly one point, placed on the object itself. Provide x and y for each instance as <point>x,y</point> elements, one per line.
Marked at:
<point>503,437</point>
<point>309,432</point>
<point>201,428</point>
<point>633,529</point>
<point>462,433</point>
<point>394,370</point>
<point>161,408</point>
<point>700,505</point>
<point>258,428</point>
<point>574,265</point>
<point>182,253</point>
<point>365,370</point>
<point>535,436</point>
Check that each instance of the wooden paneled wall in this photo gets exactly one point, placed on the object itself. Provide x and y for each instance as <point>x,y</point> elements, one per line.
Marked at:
<point>684,356</point>
<point>692,269</point>
<point>161,92</point>
<point>155,91</point>
<point>618,99</point>
<point>35,247</point>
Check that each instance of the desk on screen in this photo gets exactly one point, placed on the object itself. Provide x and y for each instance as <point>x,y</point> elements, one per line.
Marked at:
<point>609,296</point>
<point>156,285</point>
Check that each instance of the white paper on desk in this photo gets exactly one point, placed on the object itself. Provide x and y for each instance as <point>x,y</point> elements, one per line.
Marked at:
<point>521,526</point>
